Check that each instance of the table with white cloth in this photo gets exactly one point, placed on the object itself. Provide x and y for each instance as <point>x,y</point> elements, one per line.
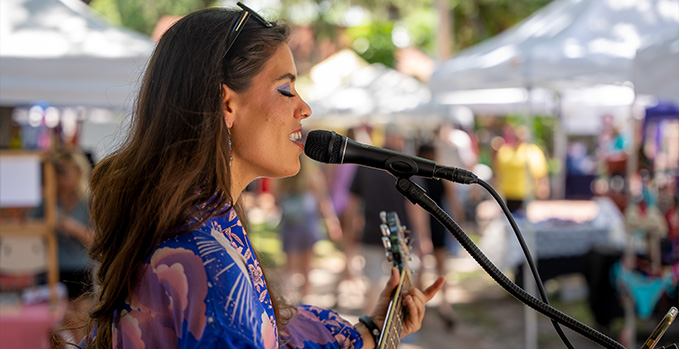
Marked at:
<point>559,233</point>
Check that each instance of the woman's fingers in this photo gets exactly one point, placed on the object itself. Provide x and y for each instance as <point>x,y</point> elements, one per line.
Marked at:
<point>416,309</point>
<point>380,310</point>
<point>425,296</point>
<point>415,316</point>
<point>391,284</point>
<point>431,291</point>
<point>415,301</point>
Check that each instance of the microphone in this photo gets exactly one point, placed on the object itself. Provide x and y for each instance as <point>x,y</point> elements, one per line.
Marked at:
<point>331,148</point>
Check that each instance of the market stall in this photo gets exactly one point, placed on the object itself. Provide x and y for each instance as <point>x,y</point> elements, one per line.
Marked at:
<point>61,53</point>
<point>344,90</point>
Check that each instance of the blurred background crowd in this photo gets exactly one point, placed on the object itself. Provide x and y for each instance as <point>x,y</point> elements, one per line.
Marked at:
<point>568,108</point>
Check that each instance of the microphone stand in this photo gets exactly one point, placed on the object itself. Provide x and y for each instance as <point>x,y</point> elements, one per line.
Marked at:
<point>418,196</point>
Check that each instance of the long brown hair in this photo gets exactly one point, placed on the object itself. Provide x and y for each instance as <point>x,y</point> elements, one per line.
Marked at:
<point>176,156</point>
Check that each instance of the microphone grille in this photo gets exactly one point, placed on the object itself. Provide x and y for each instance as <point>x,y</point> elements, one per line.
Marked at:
<point>323,146</point>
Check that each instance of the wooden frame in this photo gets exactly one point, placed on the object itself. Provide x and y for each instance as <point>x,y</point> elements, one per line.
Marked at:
<point>45,226</point>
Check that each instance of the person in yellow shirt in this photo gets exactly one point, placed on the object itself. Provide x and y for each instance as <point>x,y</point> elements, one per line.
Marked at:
<point>521,169</point>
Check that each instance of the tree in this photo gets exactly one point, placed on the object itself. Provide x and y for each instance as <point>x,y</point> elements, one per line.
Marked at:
<point>477,20</point>
<point>472,21</point>
<point>373,42</point>
<point>372,35</point>
<point>142,16</point>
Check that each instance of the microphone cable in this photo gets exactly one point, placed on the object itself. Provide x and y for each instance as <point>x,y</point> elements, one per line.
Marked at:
<point>418,196</point>
<point>329,147</point>
<point>527,254</point>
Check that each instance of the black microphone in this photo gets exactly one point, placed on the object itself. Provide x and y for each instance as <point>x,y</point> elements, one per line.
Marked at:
<point>329,147</point>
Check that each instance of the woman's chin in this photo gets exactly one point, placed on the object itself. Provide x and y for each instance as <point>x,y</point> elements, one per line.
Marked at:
<point>287,172</point>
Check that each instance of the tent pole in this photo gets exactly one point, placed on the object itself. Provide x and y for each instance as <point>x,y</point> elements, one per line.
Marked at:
<point>558,183</point>
<point>530,316</point>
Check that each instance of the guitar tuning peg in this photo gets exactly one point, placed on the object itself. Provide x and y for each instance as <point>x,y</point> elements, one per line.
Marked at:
<point>385,230</point>
<point>387,249</point>
<point>387,243</point>
<point>383,217</point>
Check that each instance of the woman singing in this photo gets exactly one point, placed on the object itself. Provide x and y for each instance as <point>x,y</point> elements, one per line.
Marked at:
<point>217,109</point>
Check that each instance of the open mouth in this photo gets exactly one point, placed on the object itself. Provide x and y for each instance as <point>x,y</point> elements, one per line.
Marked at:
<point>295,136</point>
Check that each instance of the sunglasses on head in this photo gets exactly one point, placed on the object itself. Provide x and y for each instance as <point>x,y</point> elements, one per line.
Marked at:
<point>240,24</point>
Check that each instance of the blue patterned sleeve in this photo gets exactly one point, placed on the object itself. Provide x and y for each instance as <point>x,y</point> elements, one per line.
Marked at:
<point>315,328</point>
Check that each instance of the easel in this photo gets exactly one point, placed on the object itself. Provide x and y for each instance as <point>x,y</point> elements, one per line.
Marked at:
<point>44,226</point>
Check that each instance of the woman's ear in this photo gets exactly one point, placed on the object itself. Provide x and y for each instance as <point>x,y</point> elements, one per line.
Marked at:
<point>228,105</point>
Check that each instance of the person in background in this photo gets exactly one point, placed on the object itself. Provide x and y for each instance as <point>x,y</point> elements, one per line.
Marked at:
<point>304,200</point>
<point>339,178</point>
<point>373,191</point>
<point>521,169</point>
<point>217,108</point>
<point>453,147</point>
<point>74,235</point>
<point>432,235</point>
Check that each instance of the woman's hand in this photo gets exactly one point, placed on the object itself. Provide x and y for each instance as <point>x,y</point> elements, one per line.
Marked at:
<point>414,300</point>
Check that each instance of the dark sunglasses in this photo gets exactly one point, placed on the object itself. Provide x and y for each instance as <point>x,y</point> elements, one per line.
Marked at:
<point>240,24</point>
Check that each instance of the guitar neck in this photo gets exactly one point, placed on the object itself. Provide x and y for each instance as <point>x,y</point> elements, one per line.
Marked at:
<point>393,324</point>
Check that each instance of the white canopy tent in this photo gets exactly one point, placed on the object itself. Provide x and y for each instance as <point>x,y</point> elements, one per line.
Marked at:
<point>566,53</point>
<point>58,52</point>
<point>656,68</point>
<point>567,44</point>
<point>345,90</point>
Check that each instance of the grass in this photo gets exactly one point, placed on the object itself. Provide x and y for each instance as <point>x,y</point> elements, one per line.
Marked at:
<point>266,241</point>
<point>477,313</point>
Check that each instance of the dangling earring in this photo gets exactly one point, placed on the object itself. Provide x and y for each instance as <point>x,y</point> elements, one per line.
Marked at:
<point>230,150</point>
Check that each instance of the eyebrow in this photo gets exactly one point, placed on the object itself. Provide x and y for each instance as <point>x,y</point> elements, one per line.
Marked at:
<point>286,76</point>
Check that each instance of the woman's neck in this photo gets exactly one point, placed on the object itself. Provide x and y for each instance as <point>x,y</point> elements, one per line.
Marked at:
<point>239,180</point>
<point>236,190</point>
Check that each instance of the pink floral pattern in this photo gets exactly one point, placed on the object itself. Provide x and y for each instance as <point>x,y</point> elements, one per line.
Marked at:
<point>206,288</point>
<point>314,327</point>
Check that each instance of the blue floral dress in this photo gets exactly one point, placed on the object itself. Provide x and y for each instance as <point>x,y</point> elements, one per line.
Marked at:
<point>206,289</point>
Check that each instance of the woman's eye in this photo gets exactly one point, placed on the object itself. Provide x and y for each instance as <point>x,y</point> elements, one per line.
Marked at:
<point>286,90</point>
<point>286,93</point>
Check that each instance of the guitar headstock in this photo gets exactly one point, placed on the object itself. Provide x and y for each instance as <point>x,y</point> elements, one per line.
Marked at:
<point>396,240</point>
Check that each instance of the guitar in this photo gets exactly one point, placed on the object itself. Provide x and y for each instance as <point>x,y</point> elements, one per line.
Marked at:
<point>395,238</point>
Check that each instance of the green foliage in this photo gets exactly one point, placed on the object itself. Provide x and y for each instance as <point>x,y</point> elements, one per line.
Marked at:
<point>142,16</point>
<point>542,128</point>
<point>477,20</point>
<point>325,17</point>
<point>108,9</point>
<point>372,41</point>
<point>266,241</point>
<point>421,25</point>
<point>473,20</point>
